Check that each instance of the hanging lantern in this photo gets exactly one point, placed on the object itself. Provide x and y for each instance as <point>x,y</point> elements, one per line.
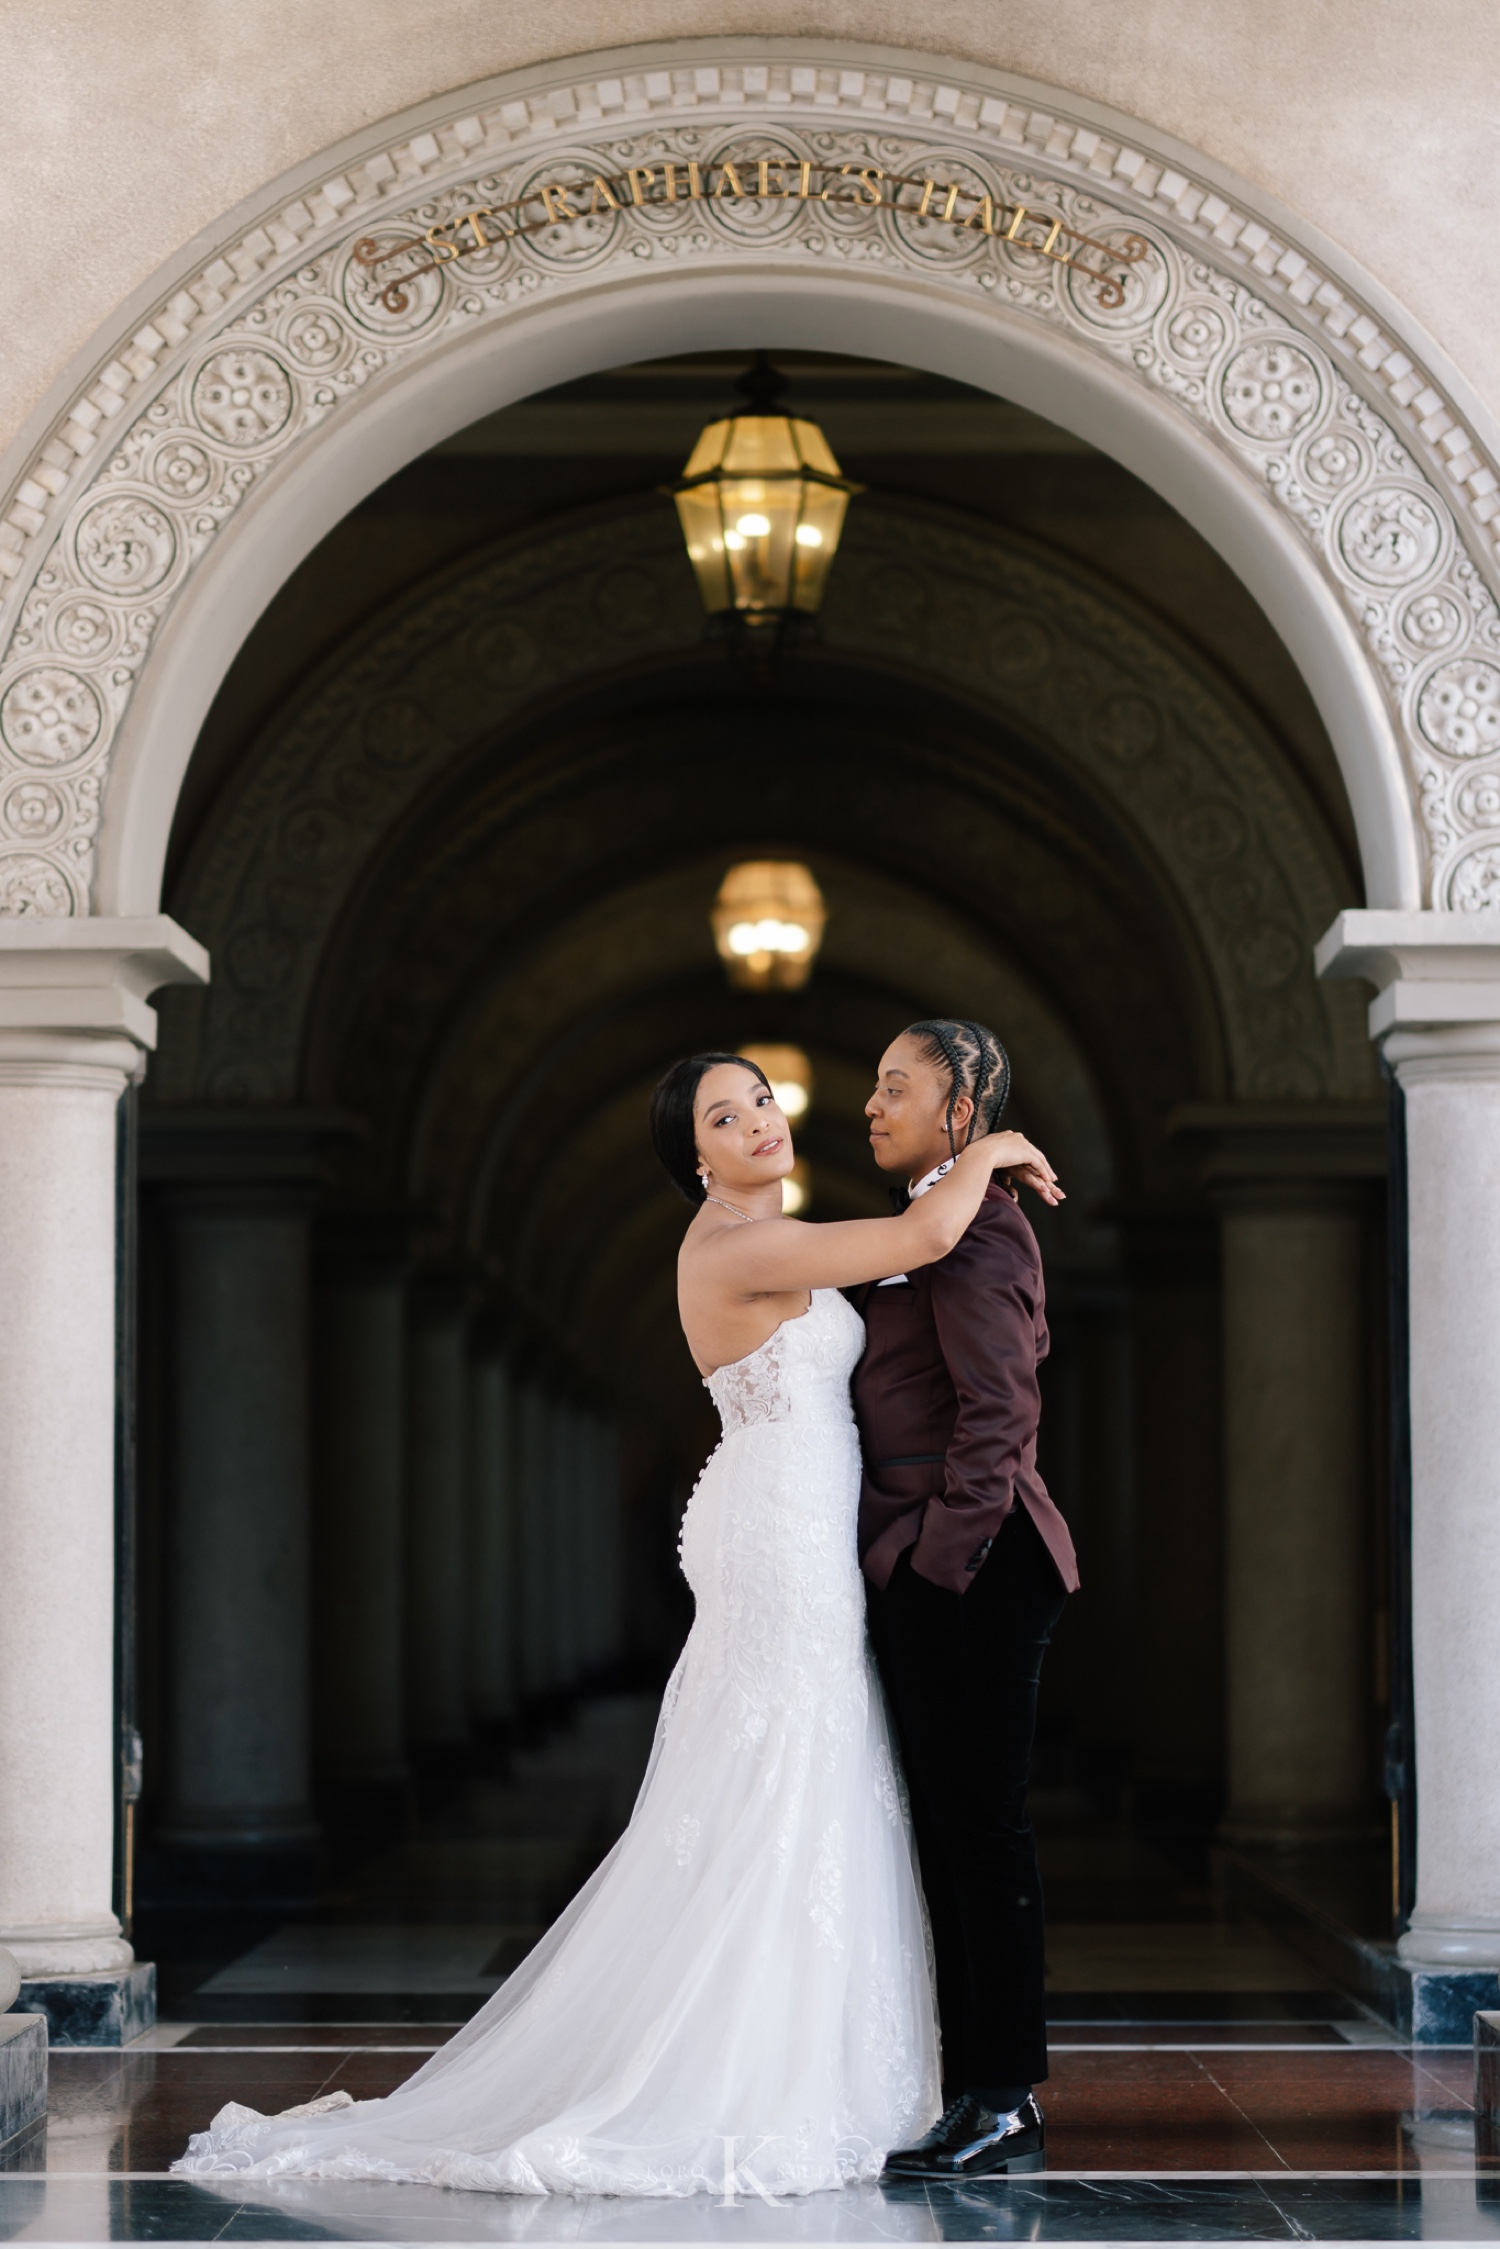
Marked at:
<point>768,924</point>
<point>789,1074</point>
<point>796,1190</point>
<point>761,504</point>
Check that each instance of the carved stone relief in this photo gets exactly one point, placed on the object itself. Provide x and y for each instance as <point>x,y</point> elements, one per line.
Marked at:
<point>233,376</point>
<point>1172,764</point>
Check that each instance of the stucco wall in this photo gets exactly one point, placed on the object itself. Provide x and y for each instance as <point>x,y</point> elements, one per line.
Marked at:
<point>133,129</point>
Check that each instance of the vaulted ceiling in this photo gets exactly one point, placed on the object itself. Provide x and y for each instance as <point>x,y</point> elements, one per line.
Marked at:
<point>459,814</point>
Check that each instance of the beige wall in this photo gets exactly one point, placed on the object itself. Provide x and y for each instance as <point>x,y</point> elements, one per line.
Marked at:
<point>133,128</point>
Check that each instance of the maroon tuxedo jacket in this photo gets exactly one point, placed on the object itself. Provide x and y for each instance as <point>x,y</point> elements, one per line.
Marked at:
<point>947,1403</point>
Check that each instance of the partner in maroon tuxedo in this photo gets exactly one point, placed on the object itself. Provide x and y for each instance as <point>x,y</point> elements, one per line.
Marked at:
<point>967,1563</point>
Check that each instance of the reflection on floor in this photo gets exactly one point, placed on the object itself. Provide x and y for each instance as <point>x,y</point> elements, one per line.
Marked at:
<point>1202,2087</point>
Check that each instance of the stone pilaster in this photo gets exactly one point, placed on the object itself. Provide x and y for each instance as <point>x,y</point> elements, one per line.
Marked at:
<point>1293,1189</point>
<point>239,1189</point>
<point>1451,1081</point>
<point>1437,1016</point>
<point>437,1516</point>
<point>75,1027</point>
<point>359,1433</point>
<point>534,1540</point>
<point>492,1534</point>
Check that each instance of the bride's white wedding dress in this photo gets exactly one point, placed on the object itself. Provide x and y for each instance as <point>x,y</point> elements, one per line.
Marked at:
<point>742,1988</point>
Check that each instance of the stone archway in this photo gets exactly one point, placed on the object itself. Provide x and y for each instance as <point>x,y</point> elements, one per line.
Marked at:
<point>479,846</point>
<point>276,383</point>
<point>1254,382</point>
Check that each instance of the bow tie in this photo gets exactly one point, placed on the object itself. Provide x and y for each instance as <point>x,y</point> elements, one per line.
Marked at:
<point>900,1199</point>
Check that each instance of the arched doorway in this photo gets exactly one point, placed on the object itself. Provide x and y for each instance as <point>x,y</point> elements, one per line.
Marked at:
<point>456,859</point>
<point>137,574</point>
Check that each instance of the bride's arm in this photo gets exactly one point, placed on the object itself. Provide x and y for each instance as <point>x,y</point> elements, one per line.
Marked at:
<point>785,1253</point>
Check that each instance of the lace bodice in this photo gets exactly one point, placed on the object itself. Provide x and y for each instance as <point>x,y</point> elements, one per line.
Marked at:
<point>801,1373</point>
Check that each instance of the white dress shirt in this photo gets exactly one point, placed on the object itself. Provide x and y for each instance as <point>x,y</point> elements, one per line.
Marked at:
<point>920,1187</point>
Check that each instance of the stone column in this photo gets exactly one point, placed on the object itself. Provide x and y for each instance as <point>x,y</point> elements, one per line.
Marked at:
<point>239,1191</point>
<point>492,1583</point>
<point>1292,1187</point>
<point>1172,1701</point>
<point>591,1574</point>
<point>75,1025</point>
<point>359,1433</point>
<point>1438,1015</point>
<point>608,1542</point>
<point>1453,1185</point>
<point>569,1559</point>
<point>437,1517</point>
<point>534,1542</point>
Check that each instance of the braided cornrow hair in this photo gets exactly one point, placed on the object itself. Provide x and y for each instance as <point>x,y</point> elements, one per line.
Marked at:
<point>977,1064</point>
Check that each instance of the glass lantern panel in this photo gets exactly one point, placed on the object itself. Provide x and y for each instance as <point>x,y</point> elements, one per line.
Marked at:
<point>815,448</point>
<point>703,530</point>
<point>760,521</point>
<point>709,450</point>
<point>761,443</point>
<point>816,542</point>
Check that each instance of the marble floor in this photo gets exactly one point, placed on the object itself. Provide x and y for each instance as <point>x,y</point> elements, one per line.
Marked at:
<point>1203,2088</point>
<point>1299,2122</point>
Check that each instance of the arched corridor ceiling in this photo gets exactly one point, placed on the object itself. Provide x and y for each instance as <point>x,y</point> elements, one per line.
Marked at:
<point>457,886</point>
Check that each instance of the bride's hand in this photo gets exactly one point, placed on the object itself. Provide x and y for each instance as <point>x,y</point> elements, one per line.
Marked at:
<point>1012,1152</point>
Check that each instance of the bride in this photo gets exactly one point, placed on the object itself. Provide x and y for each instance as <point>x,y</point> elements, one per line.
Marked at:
<point>741,1992</point>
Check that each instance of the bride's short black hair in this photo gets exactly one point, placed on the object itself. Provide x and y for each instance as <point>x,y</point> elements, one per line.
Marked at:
<point>672,1133</point>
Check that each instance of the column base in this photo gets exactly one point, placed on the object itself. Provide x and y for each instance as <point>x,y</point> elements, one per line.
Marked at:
<point>239,1827</point>
<point>1454,1947</point>
<point>1328,1907</point>
<point>104,2010</point>
<point>23,2081</point>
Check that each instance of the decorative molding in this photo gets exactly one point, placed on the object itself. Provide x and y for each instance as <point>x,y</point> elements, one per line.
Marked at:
<point>1165,750</point>
<point>1244,333</point>
<point>92,978</point>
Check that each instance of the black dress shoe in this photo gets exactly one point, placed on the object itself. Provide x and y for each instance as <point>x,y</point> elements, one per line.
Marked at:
<point>969,2141</point>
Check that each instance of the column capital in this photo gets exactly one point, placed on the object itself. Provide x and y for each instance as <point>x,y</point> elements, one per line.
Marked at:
<point>365,1244</point>
<point>1278,1148</point>
<point>1436,1011</point>
<point>283,1154</point>
<point>76,993</point>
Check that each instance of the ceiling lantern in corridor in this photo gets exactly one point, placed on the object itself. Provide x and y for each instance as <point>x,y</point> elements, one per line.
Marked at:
<point>761,503</point>
<point>789,1074</point>
<point>768,923</point>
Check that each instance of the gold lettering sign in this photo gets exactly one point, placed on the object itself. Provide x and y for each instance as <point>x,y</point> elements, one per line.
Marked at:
<point>397,260</point>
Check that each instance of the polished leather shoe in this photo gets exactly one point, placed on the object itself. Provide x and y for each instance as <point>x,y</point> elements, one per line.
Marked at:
<point>969,2141</point>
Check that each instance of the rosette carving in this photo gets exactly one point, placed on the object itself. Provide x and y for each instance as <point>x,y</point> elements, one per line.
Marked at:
<point>1272,390</point>
<point>242,397</point>
<point>29,885</point>
<point>125,546</point>
<point>49,717</point>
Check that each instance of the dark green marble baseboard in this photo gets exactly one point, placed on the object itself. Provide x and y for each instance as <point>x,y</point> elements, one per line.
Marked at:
<point>106,2010</point>
<point>23,2077</point>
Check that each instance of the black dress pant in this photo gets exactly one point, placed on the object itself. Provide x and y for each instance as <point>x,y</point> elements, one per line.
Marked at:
<point>961,1673</point>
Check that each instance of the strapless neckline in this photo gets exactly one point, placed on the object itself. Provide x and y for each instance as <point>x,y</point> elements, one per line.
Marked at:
<point>730,1364</point>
